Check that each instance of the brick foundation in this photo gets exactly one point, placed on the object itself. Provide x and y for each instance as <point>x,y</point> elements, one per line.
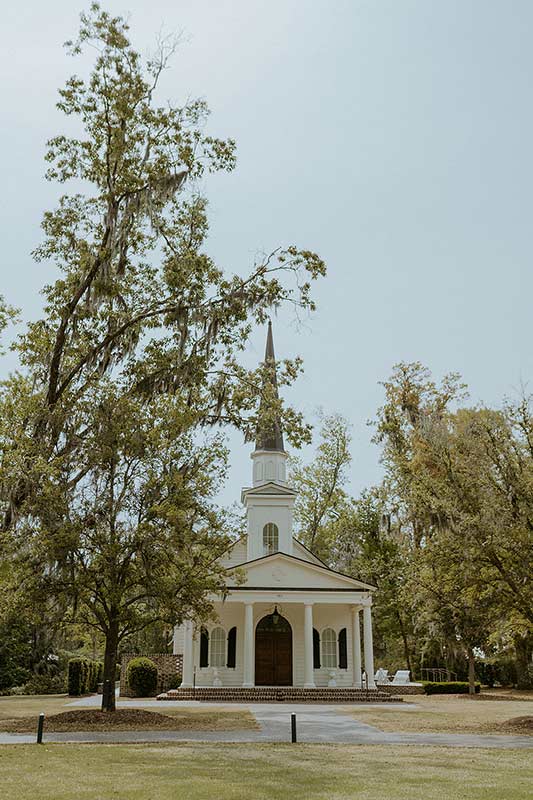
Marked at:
<point>272,694</point>
<point>168,666</point>
<point>400,690</point>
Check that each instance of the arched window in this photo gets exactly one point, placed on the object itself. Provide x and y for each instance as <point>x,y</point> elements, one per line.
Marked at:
<point>232,647</point>
<point>204,647</point>
<point>218,648</point>
<point>343,650</point>
<point>270,538</point>
<point>316,649</point>
<point>329,648</point>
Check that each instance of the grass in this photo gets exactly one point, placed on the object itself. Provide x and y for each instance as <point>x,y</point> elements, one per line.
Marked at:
<point>449,714</point>
<point>261,772</point>
<point>19,715</point>
<point>32,705</point>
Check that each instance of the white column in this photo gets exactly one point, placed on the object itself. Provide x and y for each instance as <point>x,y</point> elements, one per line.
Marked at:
<point>188,656</point>
<point>369,647</point>
<point>248,676</point>
<point>309,680</point>
<point>356,647</point>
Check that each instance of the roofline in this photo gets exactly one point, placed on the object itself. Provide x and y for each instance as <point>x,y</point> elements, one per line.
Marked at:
<point>310,551</point>
<point>367,586</point>
<point>282,589</point>
<point>284,490</point>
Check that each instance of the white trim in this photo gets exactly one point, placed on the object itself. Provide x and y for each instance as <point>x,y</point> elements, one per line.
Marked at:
<point>249,565</point>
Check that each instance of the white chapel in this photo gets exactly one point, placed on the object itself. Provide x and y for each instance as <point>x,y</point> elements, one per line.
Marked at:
<point>293,621</point>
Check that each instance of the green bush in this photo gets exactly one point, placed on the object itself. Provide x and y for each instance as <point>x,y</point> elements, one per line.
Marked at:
<point>141,676</point>
<point>447,687</point>
<point>84,676</point>
<point>173,683</point>
<point>39,684</point>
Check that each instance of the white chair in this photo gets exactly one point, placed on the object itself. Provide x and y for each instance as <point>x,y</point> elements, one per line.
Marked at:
<point>402,678</point>
<point>382,676</point>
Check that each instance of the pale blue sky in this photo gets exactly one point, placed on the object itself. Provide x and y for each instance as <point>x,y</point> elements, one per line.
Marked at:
<point>392,136</point>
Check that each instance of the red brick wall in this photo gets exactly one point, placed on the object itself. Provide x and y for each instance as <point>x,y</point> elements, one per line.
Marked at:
<point>168,666</point>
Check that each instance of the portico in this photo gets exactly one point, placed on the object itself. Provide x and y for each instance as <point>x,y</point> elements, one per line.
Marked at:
<point>322,650</point>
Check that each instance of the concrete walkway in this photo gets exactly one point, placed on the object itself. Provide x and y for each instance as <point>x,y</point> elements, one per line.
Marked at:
<point>331,724</point>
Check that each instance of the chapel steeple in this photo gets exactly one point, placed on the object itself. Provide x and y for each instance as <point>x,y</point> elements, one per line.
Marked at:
<point>270,436</point>
<point>269,456</point>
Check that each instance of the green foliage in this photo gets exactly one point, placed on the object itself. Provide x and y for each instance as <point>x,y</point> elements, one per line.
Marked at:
<point>448,687</point>
<point>15,652</point>
<point>141,675</point>
<point>173,683</point>
<point>40,684</point>
<point>460,484</point>
<point>84,676</point>
<point>320,486</point>
<point>105,492</point>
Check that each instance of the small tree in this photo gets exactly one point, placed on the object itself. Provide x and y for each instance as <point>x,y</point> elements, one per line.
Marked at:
<point>320,485</point>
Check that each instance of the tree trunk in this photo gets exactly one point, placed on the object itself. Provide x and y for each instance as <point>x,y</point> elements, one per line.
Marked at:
<point>110,665</point>
<point>523,654</point>
<point>406,650</point>
<point>471,672</point>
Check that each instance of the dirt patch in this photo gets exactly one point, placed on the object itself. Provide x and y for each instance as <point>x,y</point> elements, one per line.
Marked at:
<point>518,725</point>
<point>508,697</point>
<point>131,719</point>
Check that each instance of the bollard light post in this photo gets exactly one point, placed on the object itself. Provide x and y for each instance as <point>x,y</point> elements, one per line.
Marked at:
<point>293,728</point>
<point>40,728</point>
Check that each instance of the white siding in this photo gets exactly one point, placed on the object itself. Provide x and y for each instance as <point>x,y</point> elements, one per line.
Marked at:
<point>235,555</point>
<point>299,551</point>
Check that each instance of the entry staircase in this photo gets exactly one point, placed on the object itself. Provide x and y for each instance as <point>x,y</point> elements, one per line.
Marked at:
<point>274,694</point>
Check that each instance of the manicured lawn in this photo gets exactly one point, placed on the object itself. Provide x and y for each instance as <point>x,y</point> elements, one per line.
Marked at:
<point>19,715</point>
<point>447,714</point>
<point>31,705</point>
<point>261,772</point>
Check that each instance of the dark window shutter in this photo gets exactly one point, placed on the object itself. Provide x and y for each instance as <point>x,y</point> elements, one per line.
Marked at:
<point>204,648</point>
<point>343,651</point>
<point>316,649</point>
<point>232,646</point>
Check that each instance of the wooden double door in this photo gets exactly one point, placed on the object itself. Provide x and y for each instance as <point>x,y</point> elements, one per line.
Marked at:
<point>273,651</point>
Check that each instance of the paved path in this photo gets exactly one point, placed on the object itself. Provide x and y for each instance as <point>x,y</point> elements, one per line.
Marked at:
<point>315,723</point>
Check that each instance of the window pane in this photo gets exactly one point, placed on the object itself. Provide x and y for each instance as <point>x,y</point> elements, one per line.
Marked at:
<point>218,647</point>
<point>329,648</point>
<point>270,538</point>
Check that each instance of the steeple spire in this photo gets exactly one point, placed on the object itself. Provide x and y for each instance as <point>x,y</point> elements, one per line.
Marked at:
<point>271,437</point>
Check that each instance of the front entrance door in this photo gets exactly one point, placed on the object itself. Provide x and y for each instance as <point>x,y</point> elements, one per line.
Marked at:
<point>273,651</point>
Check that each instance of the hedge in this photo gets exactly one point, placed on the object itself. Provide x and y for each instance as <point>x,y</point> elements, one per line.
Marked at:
<point>84,675</point>
<point>448,687</point>
<point>141,675</point>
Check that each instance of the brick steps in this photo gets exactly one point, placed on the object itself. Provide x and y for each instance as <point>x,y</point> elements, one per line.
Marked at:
<point>273,694</point>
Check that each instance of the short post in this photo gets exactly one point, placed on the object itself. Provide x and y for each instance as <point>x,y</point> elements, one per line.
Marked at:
<point>40,728</point>
<point>293,728</point>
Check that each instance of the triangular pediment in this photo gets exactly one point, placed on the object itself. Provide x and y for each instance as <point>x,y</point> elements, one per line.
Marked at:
<point>270,488</point>
<point>280,571</point>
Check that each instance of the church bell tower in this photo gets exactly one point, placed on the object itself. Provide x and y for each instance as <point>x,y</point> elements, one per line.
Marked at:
<point>270,501</point>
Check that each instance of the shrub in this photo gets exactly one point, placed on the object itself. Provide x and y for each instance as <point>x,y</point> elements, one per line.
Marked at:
<point>447,687</point>
<point>173,683</point>
<point>84,675</point>
<point>141,675</point>
<point>39,684</point>
<point>46,684</point>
